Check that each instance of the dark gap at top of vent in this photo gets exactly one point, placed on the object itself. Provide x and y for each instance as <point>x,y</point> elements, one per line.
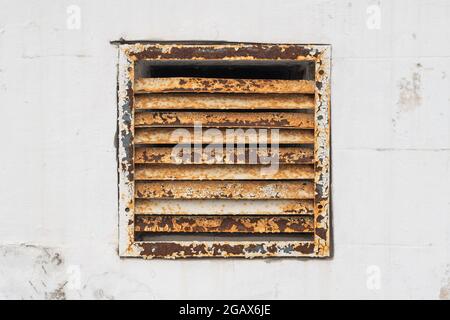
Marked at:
<point>241,69</point>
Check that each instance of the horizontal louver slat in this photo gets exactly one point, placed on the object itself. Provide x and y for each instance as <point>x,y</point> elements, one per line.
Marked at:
<point>225,119</point>
<point>188,135</point>
<point>223,207</point>
<point>225,190</point>
<point>219,101</point>
<point>149,85</point>
<point>230,249</point>
<point>219,172</point>
<point>224,224</point>
<point>284,155</point>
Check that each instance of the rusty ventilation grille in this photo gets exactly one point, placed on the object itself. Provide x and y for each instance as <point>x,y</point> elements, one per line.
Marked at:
<point>223,200</point>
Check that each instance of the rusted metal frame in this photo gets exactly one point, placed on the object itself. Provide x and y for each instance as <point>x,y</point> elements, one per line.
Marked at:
<point>165,51</point>
<point>322,153</point>
<point>318,248</point>
<point>125,152</point>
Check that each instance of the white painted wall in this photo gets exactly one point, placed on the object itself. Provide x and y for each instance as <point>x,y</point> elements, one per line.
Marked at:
<point>390,139</point>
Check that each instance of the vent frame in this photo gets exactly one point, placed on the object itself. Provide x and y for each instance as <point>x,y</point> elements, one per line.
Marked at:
<point>129,53</point>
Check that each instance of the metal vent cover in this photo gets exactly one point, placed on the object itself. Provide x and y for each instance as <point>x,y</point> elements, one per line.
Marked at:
<point>227,207</point>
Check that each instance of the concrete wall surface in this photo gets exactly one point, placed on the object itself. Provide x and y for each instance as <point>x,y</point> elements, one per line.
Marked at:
<point>390,149</point>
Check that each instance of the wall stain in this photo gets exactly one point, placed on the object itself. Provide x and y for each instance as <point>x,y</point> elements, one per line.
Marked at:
<point>410,94</point>
<point>58,293</point>
<point>444,293</point>
<point>410,91</point>
<point>42,272</point>
<point>99,294</point>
